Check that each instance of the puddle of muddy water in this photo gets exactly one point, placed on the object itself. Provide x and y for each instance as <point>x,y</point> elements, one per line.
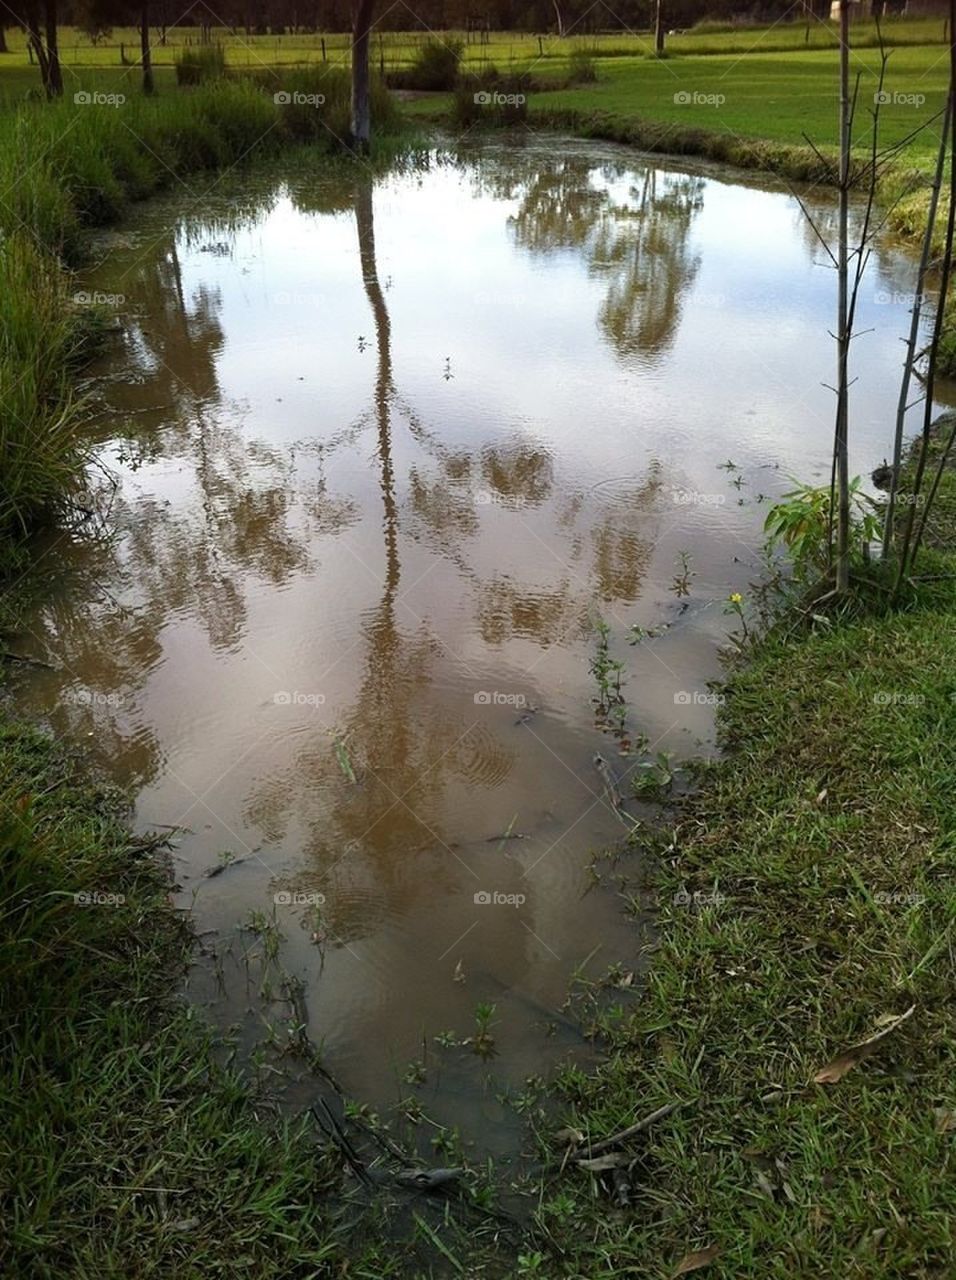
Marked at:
<point>385,454</point>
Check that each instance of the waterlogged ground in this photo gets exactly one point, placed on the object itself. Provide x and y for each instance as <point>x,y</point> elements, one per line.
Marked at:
<point>386,454</point>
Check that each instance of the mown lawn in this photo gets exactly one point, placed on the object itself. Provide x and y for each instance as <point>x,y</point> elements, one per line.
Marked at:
<point>780,96</point>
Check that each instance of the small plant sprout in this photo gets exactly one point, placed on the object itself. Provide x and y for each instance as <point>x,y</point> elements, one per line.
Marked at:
<point>483,1042</point>
<point>684,575</point>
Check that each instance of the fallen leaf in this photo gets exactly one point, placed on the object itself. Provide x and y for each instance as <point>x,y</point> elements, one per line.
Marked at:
<point>569,1135</point>
<point>694,1261</point>
<point>835,1070</point>
<point>600,1164</point>
<point>822,796</point>
<point>459,973</point>
<point>945,1119</point>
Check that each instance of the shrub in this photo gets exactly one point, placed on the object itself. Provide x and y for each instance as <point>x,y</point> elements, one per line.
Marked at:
<point>435,69</point>
<point>499,101</point>
<point>198,66</point>
<point>581,68</point>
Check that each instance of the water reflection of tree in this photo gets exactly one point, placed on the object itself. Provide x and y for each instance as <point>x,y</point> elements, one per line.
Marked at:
<point>634,232</point>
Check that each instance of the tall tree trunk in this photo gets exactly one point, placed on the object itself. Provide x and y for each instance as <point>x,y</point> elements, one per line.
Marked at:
<point>841,439</point>
<point>31,23</point>
<point>149,85</point>
<point>557,13</point>
<point>54,74</point>
<point>659,28</point>
<point>361,81</point>
<point>3,39</point>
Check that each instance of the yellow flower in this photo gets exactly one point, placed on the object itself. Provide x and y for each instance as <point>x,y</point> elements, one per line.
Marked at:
<point>735,598</point>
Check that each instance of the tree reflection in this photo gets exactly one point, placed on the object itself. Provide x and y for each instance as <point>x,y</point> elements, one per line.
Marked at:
<point>635,236</point>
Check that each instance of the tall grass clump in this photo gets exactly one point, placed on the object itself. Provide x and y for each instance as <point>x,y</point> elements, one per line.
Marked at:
<point>315,104</point>
<point>581,68</point>
<point>42,458</point>
<point>199,66</point>
<point>435,69</point>
<point>492,100</point>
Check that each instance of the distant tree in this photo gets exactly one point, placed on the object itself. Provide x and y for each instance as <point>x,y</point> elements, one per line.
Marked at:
<point>362,14</point>
<point>146,53</point>
<point>39,22</point>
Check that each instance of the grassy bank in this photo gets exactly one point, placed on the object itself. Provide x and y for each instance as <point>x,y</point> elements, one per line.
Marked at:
<point>805,901</point>
<point>124,1149</point>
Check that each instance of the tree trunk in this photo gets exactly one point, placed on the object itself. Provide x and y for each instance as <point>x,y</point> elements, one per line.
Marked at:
<point>841,441</point>
<point>31,23</point>
<point>149,85</point>
<point>3,39</point>
<point>54,85</point>
<point>659,28</point>
<point>557,13</point>
<point>361,82</point>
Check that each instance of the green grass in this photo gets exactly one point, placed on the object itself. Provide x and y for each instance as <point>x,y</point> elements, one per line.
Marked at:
<point>829,831</point>
<point>124,1149</point>
<point>777,97</point>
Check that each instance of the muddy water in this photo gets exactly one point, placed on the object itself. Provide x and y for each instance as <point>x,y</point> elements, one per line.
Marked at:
<point>385,453</point>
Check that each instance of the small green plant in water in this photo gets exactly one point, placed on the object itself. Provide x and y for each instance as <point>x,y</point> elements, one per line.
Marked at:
<point>483,1042</point>
<point>684,576</point>
<point>801,522</point>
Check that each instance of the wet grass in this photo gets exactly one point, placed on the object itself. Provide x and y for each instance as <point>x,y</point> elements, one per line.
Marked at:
<point>804,900</point>
<point>124,1149</point>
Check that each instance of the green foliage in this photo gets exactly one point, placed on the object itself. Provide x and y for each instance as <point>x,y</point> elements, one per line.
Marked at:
<point>492,100</point>
<point>581,68</point>
<point>42,457</point>
<point>436,66</point>
<point>801,523</point>
<point>199,66</point>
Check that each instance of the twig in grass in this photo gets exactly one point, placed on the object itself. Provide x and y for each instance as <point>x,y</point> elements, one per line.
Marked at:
<point>605,1144</point>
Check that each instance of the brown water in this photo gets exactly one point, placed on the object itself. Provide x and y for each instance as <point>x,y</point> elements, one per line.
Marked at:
<point>385,454</point>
